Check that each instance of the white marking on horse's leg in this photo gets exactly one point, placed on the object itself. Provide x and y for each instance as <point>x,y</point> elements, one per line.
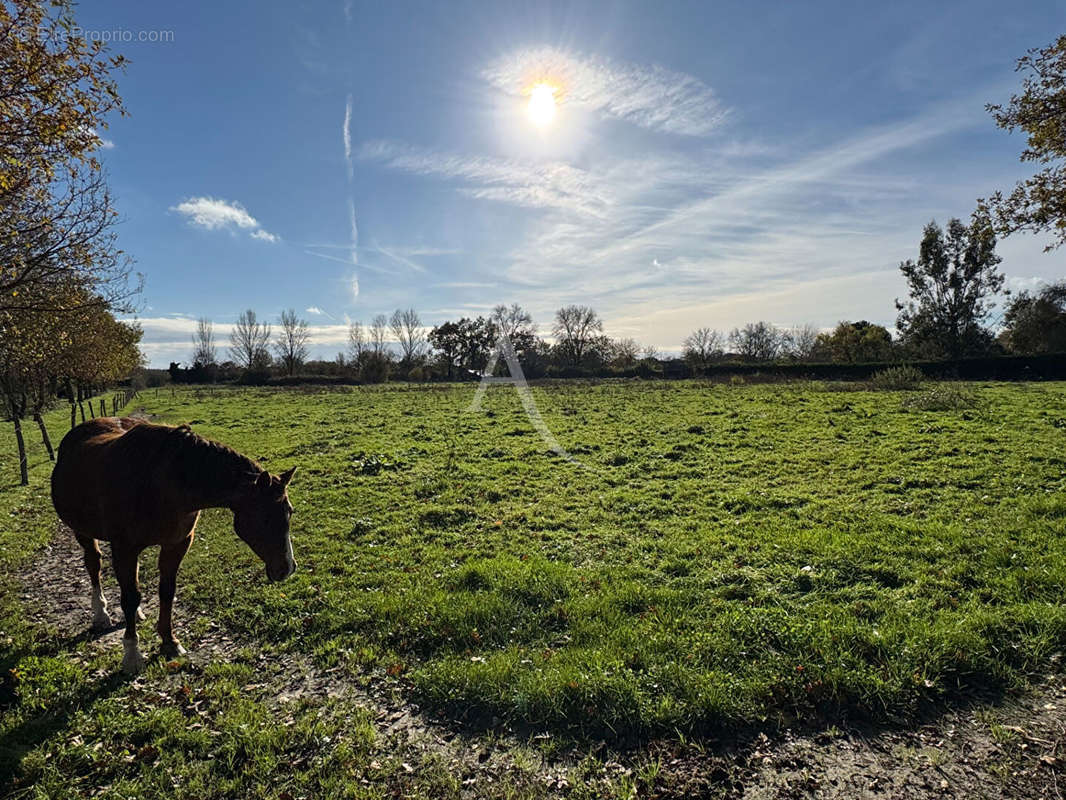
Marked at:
<point>101,619</point>
<point>132,660</point>
<point>172,649</point>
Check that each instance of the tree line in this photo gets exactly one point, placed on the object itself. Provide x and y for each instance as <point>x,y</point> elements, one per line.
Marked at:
<point>952,283</point>
<point>62,276</point>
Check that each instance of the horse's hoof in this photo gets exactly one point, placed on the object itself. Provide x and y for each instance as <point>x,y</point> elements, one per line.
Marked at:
<point>101,621</point>
<point>172,649</point>
<point>133,662</point>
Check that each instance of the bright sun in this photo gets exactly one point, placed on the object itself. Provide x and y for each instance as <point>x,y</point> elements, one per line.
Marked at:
<point>541,108</point>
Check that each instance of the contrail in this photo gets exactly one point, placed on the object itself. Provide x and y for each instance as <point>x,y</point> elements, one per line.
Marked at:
<point>354,250</point>
<point>347,134</point>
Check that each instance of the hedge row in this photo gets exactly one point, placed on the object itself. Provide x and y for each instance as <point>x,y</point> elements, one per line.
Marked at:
<point>990,368</point>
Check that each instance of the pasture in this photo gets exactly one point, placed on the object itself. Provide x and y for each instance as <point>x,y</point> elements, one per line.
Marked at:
<point>721,559</point>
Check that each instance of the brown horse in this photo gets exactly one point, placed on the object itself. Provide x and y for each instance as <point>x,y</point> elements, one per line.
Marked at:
<point>138,485</point>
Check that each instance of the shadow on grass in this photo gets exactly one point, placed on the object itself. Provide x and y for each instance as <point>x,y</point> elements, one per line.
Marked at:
<point>17,741</point>
<point>725,737</point>
<point>23,738</point>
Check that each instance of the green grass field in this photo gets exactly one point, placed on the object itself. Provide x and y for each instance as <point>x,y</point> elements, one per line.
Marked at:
<point>721,556</point>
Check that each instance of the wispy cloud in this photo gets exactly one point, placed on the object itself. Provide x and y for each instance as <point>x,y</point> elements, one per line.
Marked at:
<point>215,214</point>
<point>712,237</point>
<point>318,312</point>
<point>550,184</point>
<point>652,97</point>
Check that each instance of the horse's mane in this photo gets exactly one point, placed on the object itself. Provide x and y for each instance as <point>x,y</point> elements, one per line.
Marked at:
<point>202,465</point>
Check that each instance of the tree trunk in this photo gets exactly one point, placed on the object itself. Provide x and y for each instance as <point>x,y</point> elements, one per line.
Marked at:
<point>103,408</point>
<point>81,408</point>
<point>24,469</point>
<point>44,437</point>
<point>73,414</point>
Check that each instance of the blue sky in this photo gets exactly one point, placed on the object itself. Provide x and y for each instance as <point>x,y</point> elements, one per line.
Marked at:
<point>708,163</point>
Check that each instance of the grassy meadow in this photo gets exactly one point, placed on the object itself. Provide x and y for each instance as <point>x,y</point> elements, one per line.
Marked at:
<point>719,557</point>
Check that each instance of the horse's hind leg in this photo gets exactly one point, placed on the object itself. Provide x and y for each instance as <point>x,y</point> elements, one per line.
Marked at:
<point>101,619</point>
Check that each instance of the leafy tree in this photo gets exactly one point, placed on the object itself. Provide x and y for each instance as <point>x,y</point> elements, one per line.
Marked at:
<point>1037,323</point>
<point>466,344</point>
<point>1039,203</point>
<point>291,343</point>
<point>575,328</point>
<point>478,338</point>
<point>29,345</point>
<point>248,342</point>
<point>82,344</point>
<point>951,287</point>
<point>100,348</point>
<point>56,214</point>
<point>702,347</point>
<point>757,341</point>
<point>855,342</point>
<point>446,339</point>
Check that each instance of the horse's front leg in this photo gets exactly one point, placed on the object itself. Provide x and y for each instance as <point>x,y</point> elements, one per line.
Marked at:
<point>124,558</point>
<point>170,557</point>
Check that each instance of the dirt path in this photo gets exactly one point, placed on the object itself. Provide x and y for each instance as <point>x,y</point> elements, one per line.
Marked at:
<point>1016,748</point>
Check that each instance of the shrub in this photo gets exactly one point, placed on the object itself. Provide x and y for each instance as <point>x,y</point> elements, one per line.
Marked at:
<point>375,368</point>
<point>942,397</point>
<point>897,378</point>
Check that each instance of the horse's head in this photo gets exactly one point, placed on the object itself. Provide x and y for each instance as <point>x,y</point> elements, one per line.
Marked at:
<point>261,519</point>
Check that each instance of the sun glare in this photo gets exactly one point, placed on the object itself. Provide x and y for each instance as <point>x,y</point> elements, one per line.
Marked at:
<point>541,108</point>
